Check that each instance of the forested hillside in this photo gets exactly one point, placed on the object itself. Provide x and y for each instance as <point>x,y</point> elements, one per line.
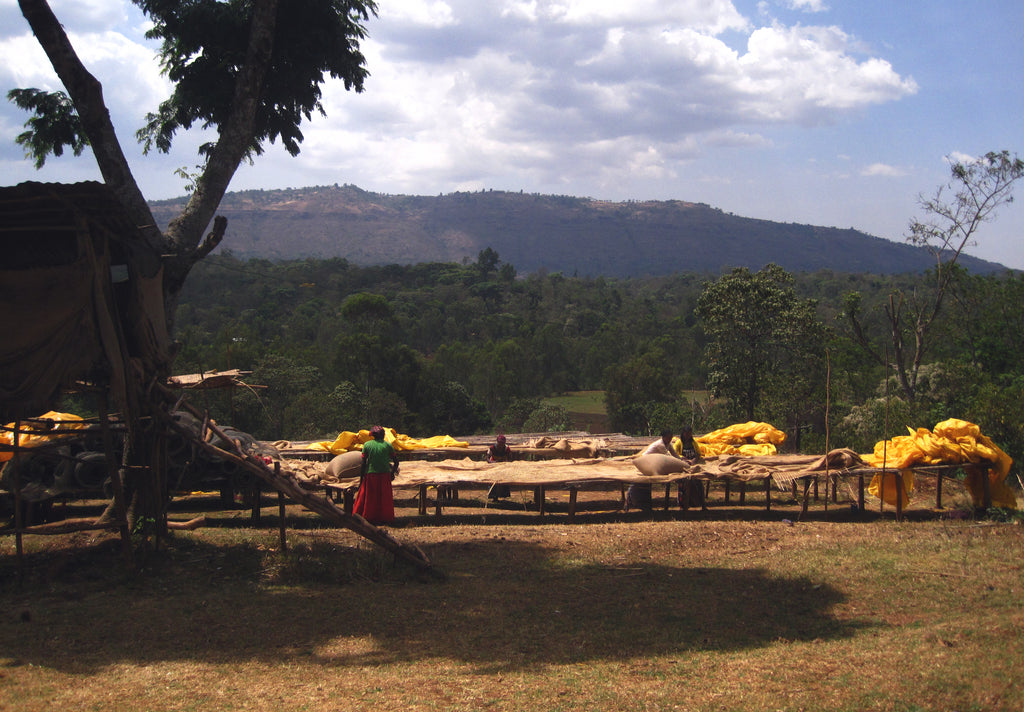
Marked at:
<point>471,348</point>
<point>575,236</point>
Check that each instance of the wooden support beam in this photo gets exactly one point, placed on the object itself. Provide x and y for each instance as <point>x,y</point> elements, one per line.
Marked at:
<point>899,495</point>
<point>282,522</point>
<point>572,503</point>
<point>254,493</point>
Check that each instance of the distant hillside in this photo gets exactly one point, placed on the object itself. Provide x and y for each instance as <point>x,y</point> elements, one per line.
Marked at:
<point>532,232</point>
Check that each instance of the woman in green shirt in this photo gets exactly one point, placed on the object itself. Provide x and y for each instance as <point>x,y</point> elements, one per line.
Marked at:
<point>375,500</point>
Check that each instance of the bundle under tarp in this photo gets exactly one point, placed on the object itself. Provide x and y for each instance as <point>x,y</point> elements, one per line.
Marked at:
<point>750,439</point>
<point>952,442</point>
<point>348,440</point>
<point>38,431</point>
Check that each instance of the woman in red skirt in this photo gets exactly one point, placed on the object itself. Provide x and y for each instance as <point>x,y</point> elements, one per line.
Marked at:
<point>375,501</point>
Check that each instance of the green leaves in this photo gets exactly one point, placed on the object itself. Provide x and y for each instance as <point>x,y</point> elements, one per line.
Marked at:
<point>762,339</point>
<point>205,45</point>
<point>54,127</point>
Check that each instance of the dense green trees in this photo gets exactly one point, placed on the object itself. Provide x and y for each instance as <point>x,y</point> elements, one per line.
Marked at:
<point>425,349</point>
<point>765,346</point>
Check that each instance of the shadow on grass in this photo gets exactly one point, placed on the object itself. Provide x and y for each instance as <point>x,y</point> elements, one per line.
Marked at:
<point>507,605</point>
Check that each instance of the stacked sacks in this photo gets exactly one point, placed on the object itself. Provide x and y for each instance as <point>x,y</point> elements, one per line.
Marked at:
<point>749,439</point>
<point>952,442</point>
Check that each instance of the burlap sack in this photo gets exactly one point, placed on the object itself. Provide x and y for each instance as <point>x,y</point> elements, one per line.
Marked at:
<point>657,464</point>
<point>344,465</point>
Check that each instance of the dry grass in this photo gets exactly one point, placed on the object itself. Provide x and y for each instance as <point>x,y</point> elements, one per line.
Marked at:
<point>729,610</point>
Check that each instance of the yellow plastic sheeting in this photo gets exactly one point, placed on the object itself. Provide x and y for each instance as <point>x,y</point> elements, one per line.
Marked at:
<point>887,489</point>
<point>749,439</point>
<point>33,433</point>
<point>347,440</point>
<point>952,442</point>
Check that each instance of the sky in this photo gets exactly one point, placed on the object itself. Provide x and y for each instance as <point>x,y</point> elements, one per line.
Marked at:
<point>823,112</point>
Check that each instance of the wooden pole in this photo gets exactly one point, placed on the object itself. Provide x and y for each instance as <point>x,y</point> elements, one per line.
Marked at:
<point>116,485</point>
<point>828,382</point>
<point>885,429</point>
<point>18,516</point>
<point>283,524</point>
<point>899,495</point>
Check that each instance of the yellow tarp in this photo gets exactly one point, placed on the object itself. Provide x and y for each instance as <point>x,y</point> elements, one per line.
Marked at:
<point>347,440</point>
<point>749,439</point>
<point>952,442</point>
<point>33,434</point>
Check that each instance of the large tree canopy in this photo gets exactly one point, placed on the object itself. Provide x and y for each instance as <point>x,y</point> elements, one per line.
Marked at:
<point>245,68</point>
<point>761,337</point>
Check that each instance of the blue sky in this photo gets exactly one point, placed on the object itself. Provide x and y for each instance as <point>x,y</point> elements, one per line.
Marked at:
<point>810,111</point>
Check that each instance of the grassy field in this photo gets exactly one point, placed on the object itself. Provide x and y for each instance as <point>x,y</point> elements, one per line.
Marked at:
<point>731,609</point>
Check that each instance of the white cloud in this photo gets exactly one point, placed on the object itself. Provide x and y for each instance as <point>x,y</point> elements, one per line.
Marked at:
<point>884,170</point>
<point>714,16</point>
<point>419,12</point>
<point>960,157</point>
<point>530,93</point>
<point>807,5</point>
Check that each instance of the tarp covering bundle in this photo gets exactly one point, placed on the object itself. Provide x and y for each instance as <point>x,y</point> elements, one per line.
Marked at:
<point>750,439</point>
<point>38,431</point>
<point>348,440</point>
<point>81,297</point>
<point>952,442</point>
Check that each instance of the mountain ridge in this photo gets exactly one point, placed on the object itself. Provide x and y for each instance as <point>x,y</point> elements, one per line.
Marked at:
<point>536,232</point>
